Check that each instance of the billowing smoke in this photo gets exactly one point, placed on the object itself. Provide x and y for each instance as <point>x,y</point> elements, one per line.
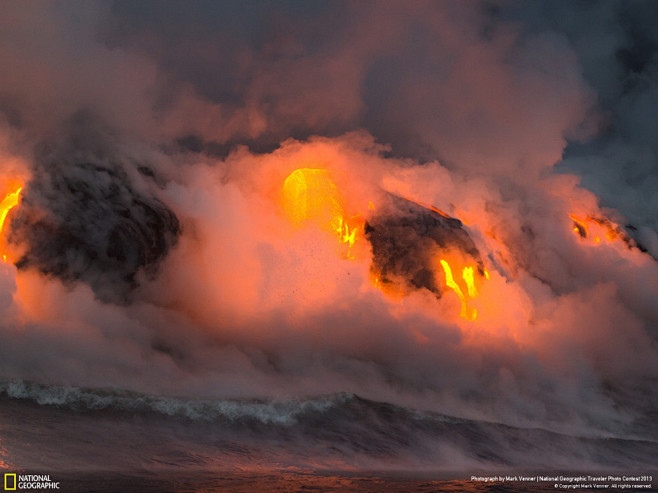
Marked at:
<point>151,249</point>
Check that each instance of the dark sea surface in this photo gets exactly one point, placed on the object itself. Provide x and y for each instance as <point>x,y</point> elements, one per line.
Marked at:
<point>91,440</point>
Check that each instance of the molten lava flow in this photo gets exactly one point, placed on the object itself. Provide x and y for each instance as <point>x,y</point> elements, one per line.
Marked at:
<point>594,229</point>
<point>8,203</point>
<point>469,279</point>
<point>579,226</point>
<point>450,282</point>
<point>311,195</point>
<point>427,206</point>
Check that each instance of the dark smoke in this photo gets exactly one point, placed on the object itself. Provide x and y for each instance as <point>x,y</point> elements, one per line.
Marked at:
<point>617,47</point>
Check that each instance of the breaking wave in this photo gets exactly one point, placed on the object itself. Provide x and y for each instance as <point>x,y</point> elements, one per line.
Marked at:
<point>277,412</point>
<point>338,431</point>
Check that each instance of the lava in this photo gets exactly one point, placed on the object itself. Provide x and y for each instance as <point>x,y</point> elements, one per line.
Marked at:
<point>428,206</point>
<point>8,203</point>
<point>404,236</point>
<point>310,194</point>
<point>468,277</point>
<point>595,230</point>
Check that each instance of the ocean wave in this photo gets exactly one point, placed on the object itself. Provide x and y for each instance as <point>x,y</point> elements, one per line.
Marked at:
<point>276,412</point>
<point>338,428</point>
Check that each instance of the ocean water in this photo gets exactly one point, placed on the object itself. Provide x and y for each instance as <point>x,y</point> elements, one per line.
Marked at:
<point>109,440</point>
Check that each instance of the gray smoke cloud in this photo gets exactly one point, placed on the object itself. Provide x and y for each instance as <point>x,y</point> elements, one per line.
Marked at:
<point>617,47</point>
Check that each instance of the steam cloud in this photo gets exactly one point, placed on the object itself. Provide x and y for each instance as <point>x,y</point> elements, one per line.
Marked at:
<point>153,140</point>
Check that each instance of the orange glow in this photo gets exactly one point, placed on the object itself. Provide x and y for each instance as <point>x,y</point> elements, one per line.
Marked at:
<point>427,206</point>
<point>579,226</point>
<point>311,195</point>
<point>594,229</point>
<point>468,276</point>
<point>8,203</point>
<point>450,282</point>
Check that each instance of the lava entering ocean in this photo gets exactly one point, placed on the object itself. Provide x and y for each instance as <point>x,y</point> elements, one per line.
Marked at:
<point>302,202</point>
<point>289,278</point>
<point>401,261</point>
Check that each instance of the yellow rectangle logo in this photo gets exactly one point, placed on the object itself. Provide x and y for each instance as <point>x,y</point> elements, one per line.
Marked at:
<point>10,481</point>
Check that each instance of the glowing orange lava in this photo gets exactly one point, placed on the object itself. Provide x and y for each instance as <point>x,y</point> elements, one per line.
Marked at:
<point>468,275</point>
<point>8,203</point>
<point>469,279</point>
<point>311,195</point>
<point>427,206</point>
<point>594,229</point>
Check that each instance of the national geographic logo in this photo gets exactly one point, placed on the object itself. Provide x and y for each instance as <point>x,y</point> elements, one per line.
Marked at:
<point>10,481</point>
<point>15,481</point>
